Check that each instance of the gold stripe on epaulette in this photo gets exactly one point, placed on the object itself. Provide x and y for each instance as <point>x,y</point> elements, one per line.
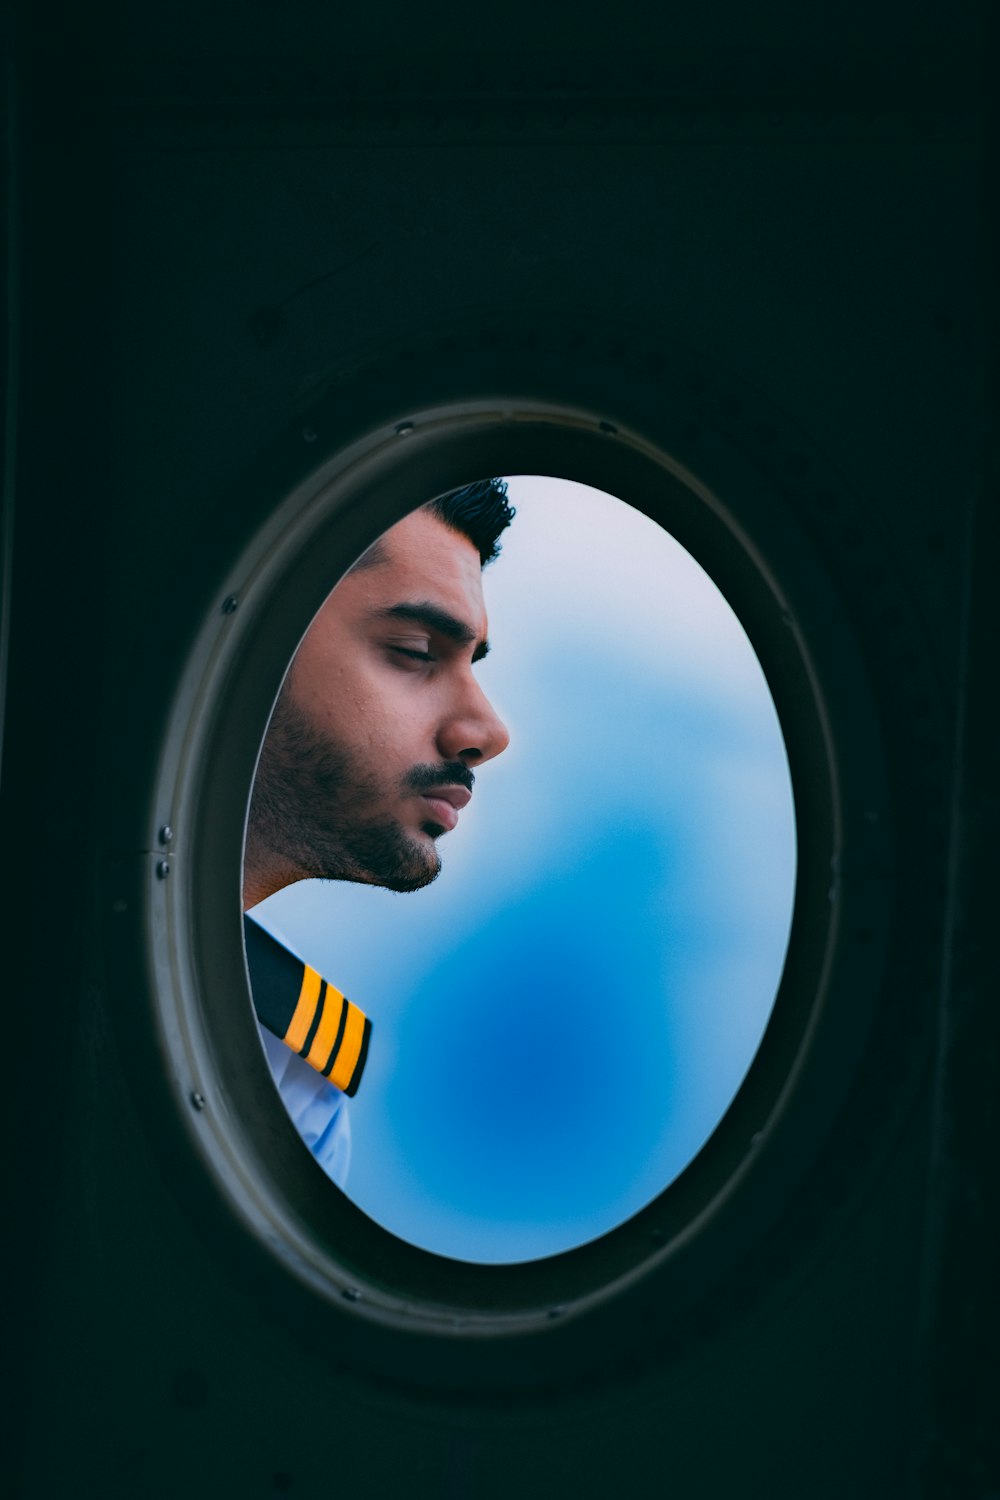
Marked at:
<point>305,1009</point>
<point>327,1029</point>
<point>343,1068</point>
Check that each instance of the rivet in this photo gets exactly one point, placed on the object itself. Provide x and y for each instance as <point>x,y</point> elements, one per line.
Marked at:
<point>166,834</point>
<point>556,1312</point>
<point>607,427</point>
<point>351,1293</point>
<point>309,434</point>
<point>230,605</point>
<point>198,1100</point>
<point>163,869</point>
<point>402,428</point>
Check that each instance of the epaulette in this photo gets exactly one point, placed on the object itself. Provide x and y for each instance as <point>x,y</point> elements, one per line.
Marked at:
<point>311,1017</point>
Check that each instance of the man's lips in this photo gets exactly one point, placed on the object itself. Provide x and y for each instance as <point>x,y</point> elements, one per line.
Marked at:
<point>445,803</point>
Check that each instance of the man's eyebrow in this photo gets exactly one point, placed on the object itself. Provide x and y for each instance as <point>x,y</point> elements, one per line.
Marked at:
<point>434,618</point>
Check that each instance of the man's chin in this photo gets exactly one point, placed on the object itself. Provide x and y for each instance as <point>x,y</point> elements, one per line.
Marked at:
<point>411,864</point>
<point>425,865</point>
<point>402,883</point>
<point>411,878</point>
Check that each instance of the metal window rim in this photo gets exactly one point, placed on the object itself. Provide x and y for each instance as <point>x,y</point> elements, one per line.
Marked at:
<point>381,1303</point>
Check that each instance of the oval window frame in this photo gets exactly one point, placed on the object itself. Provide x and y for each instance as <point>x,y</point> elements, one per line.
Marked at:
<point>387,1308</point>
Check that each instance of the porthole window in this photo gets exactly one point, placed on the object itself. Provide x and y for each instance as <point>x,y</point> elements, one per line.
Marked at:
<point>604,1054</point>
<point>561,1020</point>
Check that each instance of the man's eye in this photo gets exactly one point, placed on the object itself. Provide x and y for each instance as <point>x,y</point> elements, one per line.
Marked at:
<point>413,655</point>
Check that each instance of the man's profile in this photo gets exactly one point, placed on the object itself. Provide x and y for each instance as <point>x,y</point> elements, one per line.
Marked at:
<point>372,749</point>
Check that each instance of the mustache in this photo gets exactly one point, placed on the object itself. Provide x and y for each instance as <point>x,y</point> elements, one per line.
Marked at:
<point>449,773</point>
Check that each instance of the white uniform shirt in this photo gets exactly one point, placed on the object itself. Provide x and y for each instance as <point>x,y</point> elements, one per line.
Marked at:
<point>318,1110</point>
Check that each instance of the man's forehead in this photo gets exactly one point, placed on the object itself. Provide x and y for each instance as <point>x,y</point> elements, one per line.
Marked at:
<point>423,536</point>
<point>419,560</point>
<point>423,548</point>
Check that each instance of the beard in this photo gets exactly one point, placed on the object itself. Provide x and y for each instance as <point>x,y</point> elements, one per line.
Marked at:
<point>309,810</point>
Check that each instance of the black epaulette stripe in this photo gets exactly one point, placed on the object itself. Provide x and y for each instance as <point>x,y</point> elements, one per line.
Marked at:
<point>359,1066</point>
<point>314,1027</point>
<point>275,977</point>
<point>345,1006</point>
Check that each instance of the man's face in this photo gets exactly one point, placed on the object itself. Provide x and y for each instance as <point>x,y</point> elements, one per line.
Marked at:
<point>380,723</point>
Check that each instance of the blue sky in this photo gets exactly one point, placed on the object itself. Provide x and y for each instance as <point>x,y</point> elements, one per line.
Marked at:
<point>563,1017</point>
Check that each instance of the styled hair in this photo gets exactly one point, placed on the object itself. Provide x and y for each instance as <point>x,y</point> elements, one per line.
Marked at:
<point>479,511</point>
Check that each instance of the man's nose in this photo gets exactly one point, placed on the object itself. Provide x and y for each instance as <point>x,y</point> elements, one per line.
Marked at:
<point>476,733</point>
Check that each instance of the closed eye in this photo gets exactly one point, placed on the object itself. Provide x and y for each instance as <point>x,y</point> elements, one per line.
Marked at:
<point>413,655</point>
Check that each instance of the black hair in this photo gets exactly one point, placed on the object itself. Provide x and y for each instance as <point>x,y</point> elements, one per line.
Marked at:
<point>480,511</point>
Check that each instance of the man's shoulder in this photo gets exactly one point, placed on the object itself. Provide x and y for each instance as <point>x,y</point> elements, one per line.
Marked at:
<point>310,1017</point>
